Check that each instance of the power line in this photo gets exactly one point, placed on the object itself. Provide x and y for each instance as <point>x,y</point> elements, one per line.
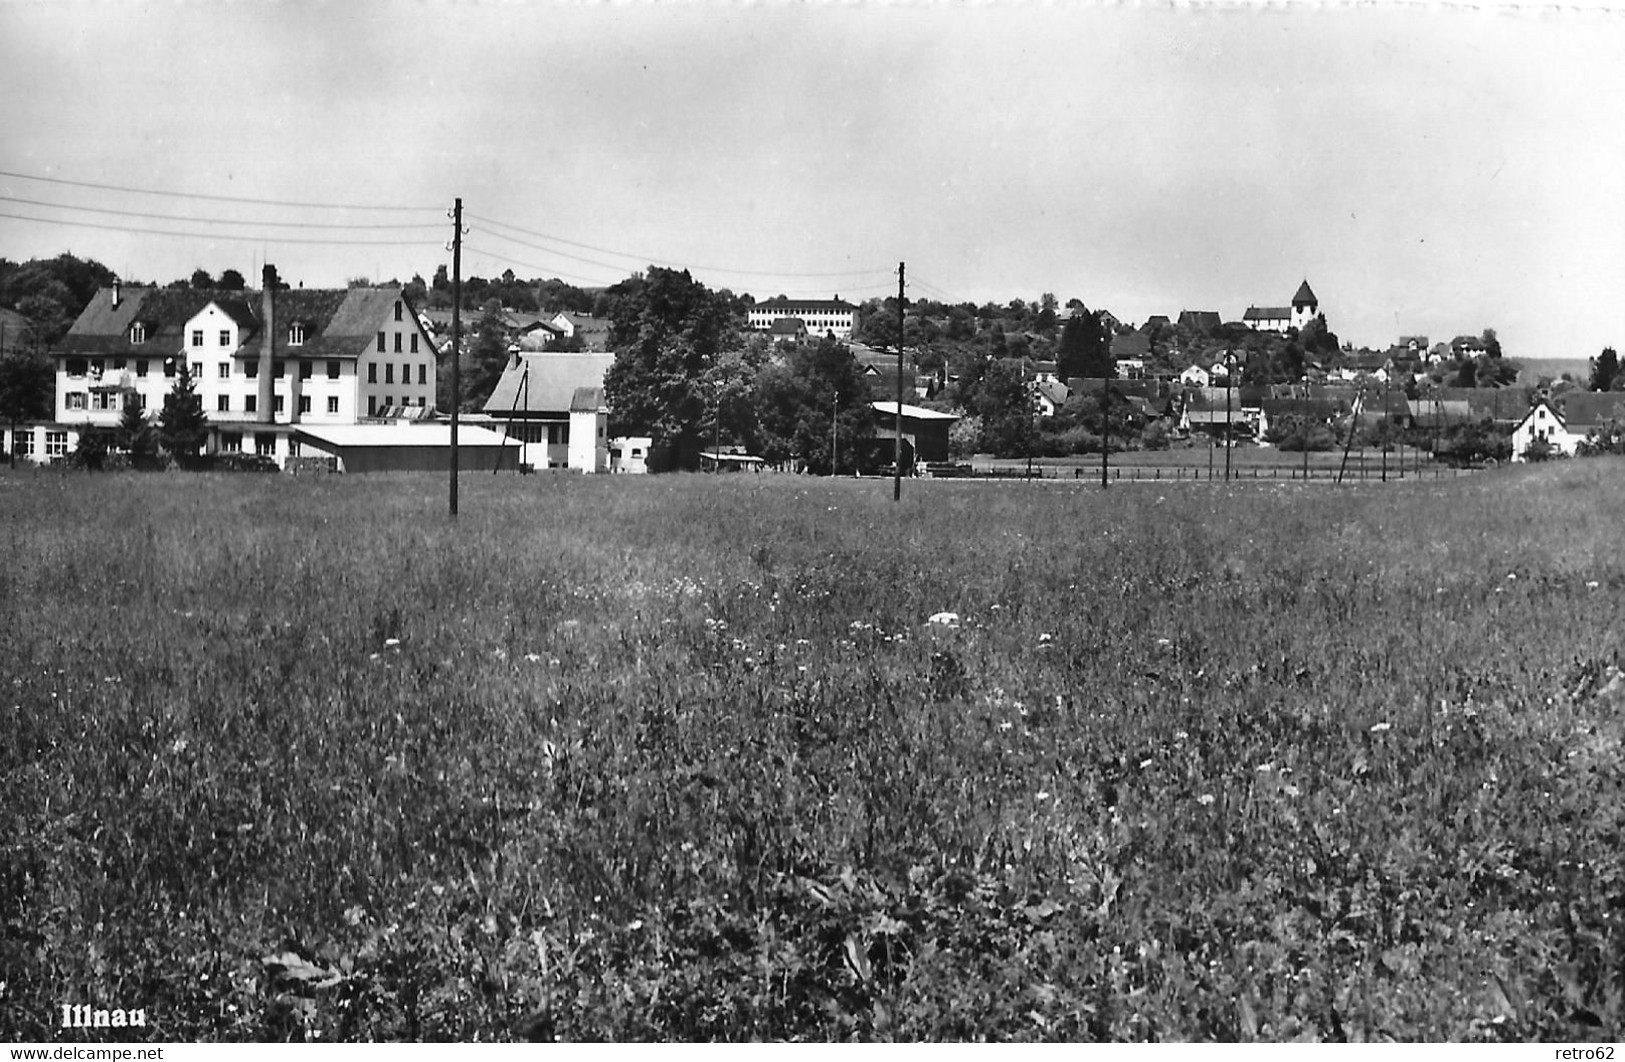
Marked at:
<point>540,269</point>
<point>213,221</point>
<point>214,198</point>
<point>652,260</point>
<point>225,236</point>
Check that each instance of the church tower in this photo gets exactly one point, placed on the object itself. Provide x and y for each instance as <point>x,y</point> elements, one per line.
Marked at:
<point>1304,306</point>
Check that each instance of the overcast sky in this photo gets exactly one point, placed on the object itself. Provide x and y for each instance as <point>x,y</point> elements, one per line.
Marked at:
<point>1428,170</point>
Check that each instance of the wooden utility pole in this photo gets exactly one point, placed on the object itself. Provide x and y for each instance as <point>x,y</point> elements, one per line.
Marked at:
<point>456,337</point>
<point>1105,427</point>
<point>897,449</point>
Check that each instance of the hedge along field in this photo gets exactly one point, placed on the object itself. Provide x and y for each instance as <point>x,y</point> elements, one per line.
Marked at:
<point>681,757</point>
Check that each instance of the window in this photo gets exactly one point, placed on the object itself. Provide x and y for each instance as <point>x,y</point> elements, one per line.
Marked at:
<point>104,400</point>
<point>397,309</point>
<point>293,447</point>
<point>372,372</point>
<point>169,367</point>
<point>225,337</point>
<point>372,405</point>
<point>197,370</point>
<point>77,366</point>
<point>304,403</point>
<point>138,398</point>
<point>305,369</point>
<point>388,401</point>
<point>56,444</point>
<point>118,364</point>
<point>225,370</point>
<point>414,342</point>
<point>138,333</point>
<point>332,370</point>
<point>23,443</point>
<point>332,403</point>
<point>141,367</point>
<point>222,404</point>
<point>251,369</point>
<point>423,402</point>
<point>380,342</point>
<point>265,445</point>
<point>277,403</point>
<point>75,399</point>
<point>97,366</point>
<point>197,337</point>
<point>423,374</point>
<point>279,369</point>
<point>296,336</point>
<point>397,342</point>
<point>231,442</point>
<point>389,372</point>
<point>251,403</point>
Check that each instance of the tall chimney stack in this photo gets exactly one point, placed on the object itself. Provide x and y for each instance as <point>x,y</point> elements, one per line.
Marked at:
<point>268,283</point>
<point>115,293</point>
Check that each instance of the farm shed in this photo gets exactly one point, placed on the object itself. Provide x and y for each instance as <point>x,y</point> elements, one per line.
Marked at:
<point>925,430</point>
<point>410,447</point>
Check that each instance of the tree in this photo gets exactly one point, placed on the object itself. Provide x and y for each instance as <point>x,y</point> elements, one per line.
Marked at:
<point>1604,370</point>
<point>135,436</point>
<point>486,359</point>
<point>667,330</point>
<point>1492,345</point>
<point>820,387</point>
<point>201,280</point>
<point>231,280</point>
<point>27,382</point>
<point>182,427</point>
<point>1085,348</point>
<point>1005,406</point>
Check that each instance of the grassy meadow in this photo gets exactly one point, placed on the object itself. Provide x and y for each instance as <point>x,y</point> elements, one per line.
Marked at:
<point>683,758</point>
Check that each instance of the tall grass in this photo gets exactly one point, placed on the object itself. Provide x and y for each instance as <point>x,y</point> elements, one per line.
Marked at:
<point>678,757</point>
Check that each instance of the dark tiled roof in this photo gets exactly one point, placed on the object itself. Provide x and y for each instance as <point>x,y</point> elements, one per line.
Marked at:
<point>1267,313</point>
<point>1584,410</point>
<point>782,303</point>
<point>1202,320</point>
<point>1305,296</point>
<point>1131,345</point>
<point>337,322</point>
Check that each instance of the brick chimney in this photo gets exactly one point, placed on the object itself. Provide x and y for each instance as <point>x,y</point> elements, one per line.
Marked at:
<point>268,284</point>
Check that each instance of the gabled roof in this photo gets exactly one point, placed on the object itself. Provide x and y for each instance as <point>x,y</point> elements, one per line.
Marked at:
<point>1053,390</point>
<point>1131,345</point>
<point>1267,313</point>
<point>1305,296</point>
<point>587,400</point>
<point>337,322</point>
<point>1584,410</point>
<point>1202,320</point>
<point>787,326</point>
<point>546,384</point>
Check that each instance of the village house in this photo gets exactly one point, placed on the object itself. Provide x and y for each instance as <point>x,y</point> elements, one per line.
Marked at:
<point>1563,425</point>
<point>552,406</point>
<point>261,365</point>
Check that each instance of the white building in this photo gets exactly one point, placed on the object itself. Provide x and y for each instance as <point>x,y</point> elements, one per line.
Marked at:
<point>552,405</point>
<point>260,363</point>
<point>821,316</point>
<point>1282,318</point>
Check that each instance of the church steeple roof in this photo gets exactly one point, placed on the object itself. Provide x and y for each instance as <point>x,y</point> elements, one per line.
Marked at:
<point>1305,297</point>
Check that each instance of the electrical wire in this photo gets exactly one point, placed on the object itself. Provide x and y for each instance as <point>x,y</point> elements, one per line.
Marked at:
<point>213,221</point>
<point>213,198</point>
<point>652,260</point>
<point>225,236</point>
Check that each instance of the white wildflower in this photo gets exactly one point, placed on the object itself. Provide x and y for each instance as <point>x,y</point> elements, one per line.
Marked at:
<point>1381,728</point>
<point>946,619</point>
<point>1206,800</point>
<point>390,643</point>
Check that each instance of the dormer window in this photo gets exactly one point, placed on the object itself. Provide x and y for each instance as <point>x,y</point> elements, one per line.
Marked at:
<point>296,335</point>
<point>138,333</point>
